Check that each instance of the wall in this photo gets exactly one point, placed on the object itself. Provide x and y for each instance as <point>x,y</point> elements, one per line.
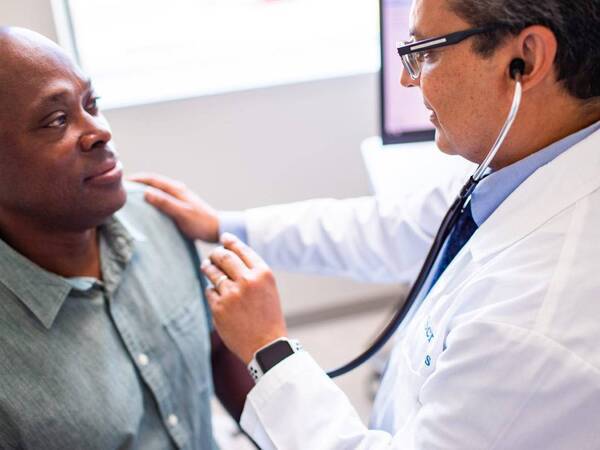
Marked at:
<point>34,14</point>
<point>250,148</point>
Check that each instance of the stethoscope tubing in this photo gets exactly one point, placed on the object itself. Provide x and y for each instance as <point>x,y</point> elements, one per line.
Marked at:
<point>442,234</point>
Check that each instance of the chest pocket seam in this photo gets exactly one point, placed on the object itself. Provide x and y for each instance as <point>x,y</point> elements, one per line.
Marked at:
<point>185,329</point>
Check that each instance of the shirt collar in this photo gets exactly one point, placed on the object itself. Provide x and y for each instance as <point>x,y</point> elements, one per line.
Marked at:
<point>44,292</point>
<point>120,236</point>
<point>117,245</point>
<point>497,186</point>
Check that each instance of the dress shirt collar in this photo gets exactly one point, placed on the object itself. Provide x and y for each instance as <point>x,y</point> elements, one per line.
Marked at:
<point>497,186</point>
<point>44,292</point>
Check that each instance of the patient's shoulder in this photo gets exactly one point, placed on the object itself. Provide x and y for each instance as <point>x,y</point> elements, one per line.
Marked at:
<point>135,191</point>
<point>145,218</point>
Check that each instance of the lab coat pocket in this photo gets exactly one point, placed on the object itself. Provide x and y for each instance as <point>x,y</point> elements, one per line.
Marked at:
<point>411,381</point>
<point>423,346</point>
<point>189,330</point>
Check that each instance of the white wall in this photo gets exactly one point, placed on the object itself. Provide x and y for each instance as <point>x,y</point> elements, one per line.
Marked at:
<point>250,148</point>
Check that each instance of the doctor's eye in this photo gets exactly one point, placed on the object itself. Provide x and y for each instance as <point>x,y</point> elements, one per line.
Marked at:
<point>426,56</point>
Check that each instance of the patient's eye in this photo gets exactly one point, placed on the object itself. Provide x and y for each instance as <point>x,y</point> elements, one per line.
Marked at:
<point>92,104</point>
<point>58,120</point>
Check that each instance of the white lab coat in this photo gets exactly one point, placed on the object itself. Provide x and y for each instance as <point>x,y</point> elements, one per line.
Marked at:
<point>503,352</point>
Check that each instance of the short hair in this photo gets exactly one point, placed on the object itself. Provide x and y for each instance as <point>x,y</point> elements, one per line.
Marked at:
<point>575,23</point>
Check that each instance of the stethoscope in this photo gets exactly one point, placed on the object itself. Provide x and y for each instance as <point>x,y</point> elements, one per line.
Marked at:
<point>516,70</point>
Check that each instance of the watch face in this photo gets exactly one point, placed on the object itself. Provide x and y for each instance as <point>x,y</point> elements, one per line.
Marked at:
<point>273,354</point>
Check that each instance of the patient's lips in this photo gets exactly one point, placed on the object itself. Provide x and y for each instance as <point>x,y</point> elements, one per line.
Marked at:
<point>109,172</point>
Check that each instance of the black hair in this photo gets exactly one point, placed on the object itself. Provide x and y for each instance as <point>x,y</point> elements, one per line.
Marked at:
<point>575,23</point>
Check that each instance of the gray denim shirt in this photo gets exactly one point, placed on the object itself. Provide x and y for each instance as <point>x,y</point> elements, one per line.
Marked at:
<point>122,363</point>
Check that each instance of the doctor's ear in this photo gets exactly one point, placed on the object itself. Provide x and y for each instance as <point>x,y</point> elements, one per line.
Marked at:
<point>536,46</point>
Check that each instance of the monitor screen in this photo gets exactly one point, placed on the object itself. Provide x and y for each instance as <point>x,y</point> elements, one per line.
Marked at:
<point>404,118</point>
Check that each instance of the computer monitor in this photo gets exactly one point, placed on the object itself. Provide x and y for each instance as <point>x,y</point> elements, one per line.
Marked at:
<point>404,117</point>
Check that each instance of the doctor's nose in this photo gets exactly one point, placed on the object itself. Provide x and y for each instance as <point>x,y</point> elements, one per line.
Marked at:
<point>406,80</point>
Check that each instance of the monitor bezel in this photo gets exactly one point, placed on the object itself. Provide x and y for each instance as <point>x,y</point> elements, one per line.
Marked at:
<point>394,138</point>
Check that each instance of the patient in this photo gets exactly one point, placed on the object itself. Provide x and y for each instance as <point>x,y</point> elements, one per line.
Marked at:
<point>104,336</point>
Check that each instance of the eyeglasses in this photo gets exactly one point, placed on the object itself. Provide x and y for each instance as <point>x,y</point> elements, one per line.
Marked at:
<point>412,53</point>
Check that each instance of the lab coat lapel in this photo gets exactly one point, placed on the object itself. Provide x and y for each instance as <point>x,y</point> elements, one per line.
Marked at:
<point>548,191</point>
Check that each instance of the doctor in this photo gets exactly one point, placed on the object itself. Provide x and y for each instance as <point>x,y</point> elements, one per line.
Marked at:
<point>503,351</point>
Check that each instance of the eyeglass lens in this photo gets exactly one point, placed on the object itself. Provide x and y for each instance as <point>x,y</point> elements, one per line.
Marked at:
<point>412,64</point>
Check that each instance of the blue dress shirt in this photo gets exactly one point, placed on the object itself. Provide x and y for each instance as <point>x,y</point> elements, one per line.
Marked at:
<point>490,193</point>
<point>497,186</point>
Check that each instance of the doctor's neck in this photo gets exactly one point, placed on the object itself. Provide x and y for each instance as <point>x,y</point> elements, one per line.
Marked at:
<point>543,120</point>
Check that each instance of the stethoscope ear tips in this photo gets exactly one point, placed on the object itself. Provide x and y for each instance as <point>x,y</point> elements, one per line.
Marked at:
<point>517,68</point>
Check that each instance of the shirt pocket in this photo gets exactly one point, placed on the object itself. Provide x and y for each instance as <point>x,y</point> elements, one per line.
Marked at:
<point>188,329</point>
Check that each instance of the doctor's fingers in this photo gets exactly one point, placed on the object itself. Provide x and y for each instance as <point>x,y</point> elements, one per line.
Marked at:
<point>216,303</point>
<point>223,293</point>
<point>165,202</point>
<point>246,254</point>
<point>217,278</point>
<point>230,263</point>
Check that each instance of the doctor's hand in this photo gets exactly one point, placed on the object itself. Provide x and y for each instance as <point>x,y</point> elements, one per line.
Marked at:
<point>194,217</point>
<point>244,300</point>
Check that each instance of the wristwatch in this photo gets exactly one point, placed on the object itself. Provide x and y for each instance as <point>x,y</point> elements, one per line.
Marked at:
<point>272,354</point>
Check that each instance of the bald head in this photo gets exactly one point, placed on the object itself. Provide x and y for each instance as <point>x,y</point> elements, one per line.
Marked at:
<point>29,64</point>
<point>25,56</point>
<point>21,39</point>
<point>57,163</point>
<point>23,34</point>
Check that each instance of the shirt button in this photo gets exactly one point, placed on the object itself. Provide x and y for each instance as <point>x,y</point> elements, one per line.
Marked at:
<point>172,420</point>
<point>143,359</point>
